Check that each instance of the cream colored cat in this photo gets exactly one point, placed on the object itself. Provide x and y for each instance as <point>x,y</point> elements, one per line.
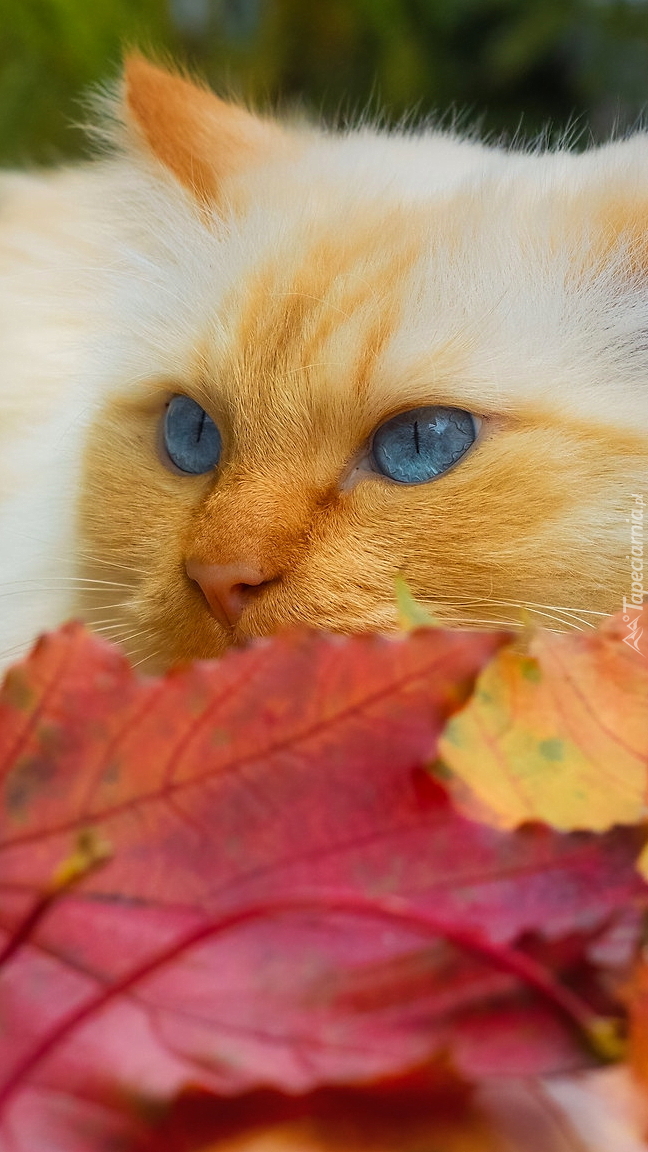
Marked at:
<point>250,372</point>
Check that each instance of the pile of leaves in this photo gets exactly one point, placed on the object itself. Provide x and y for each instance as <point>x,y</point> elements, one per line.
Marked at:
<point>326,894</point>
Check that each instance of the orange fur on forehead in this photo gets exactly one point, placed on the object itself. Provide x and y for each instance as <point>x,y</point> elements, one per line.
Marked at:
<point>315,327</point>
<point>201,139</point>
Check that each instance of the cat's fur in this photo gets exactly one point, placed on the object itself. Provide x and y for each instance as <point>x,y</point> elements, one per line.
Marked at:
<point>304,286</point>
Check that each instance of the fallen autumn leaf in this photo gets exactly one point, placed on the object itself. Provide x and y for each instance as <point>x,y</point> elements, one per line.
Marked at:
<point>558,734</point>
<point>241,875</point>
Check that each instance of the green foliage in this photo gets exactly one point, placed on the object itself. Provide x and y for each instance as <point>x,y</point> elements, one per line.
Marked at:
<point>50,52</point>
<point>508,61</point>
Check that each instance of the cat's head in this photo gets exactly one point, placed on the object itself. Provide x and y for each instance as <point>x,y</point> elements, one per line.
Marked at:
<point>382,355</point>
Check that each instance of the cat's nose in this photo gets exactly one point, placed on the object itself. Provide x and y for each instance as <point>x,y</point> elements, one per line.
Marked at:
<point>227,588</point>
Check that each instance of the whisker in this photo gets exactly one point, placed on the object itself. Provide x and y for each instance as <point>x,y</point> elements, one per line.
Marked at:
<point>45,589</point>
<point>114,624</point>
<point>33,582</point>
<point>122,605</point>
<point>516,604</point>
<point>553,616</point>
<point>82,554</point>
<point>117,637</point>
<point>559,608</point>
<point>108,562</point>
<point>149,656</point>
<point>542,610</point>
<point>471,621</point>
<point>569,616</point>
<point>96,624</point>
<point>488,623</point>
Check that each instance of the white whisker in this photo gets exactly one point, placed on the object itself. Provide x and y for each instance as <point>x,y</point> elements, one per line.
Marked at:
<point>107,562</point>
<point>514,604</point>
<point>571,617</point>
<point>116,633</point>
<point>32,583</point>
<point>121,606</point>
<point>553,616</point>
<point>149,656</point>
<point>488,623</point>
<point>96,624</point>
<point>559,608</point>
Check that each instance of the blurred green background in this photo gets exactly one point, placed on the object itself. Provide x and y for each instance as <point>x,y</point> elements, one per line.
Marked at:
<point>511,65</point>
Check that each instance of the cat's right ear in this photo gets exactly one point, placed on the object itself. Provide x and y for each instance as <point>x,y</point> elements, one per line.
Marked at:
<point>200,138</point>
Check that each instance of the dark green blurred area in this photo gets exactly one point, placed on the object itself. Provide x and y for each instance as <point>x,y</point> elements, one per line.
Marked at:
<point>510,65</point>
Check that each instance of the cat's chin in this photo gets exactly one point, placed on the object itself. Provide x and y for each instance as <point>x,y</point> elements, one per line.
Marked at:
<point>172,644</point>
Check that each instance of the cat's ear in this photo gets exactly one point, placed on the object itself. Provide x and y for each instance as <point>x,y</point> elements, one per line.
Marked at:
<point>200,138</point>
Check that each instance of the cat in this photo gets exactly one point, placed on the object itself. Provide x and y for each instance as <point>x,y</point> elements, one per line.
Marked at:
<point>253,370</point>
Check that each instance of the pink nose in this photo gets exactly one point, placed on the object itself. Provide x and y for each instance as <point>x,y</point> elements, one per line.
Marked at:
<point>227,588</point>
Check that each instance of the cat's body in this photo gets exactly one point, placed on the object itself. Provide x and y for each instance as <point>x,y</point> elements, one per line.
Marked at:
<point>304,288</point>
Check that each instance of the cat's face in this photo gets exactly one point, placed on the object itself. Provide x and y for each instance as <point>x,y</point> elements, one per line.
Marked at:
<point>353,313</point>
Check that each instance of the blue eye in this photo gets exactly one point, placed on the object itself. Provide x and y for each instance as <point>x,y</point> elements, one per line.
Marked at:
<point>191,438</point>
<point>421,444</point>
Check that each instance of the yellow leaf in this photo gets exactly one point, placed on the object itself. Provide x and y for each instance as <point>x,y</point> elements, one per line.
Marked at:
<point>410,613</point>
<point>559,734</point>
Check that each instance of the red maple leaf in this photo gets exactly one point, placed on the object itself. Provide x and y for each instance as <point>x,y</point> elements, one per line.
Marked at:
<point>287,899</point>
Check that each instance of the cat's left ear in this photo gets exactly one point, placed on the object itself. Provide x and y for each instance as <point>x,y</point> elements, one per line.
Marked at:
<point>200,138</point>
